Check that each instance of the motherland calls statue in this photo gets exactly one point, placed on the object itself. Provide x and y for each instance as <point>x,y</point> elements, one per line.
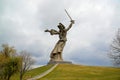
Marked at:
<point>56,54</point>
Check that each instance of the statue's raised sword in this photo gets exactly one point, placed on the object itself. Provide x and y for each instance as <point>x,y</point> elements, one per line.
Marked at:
<point>68,15</point>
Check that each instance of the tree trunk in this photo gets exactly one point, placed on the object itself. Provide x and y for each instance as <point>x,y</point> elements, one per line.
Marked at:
<point>21,76</point>
<point>8,78</point>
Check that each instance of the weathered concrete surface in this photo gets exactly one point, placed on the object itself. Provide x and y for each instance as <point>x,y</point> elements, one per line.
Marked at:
<point>60,62</point>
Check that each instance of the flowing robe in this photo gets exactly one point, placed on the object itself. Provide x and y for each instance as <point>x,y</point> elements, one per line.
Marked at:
<point>56,54</point>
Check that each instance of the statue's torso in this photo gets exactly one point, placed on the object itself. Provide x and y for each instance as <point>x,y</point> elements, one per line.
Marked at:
<point>62,35</point>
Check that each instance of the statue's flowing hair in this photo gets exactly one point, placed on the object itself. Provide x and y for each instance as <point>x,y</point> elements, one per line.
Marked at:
<point>61,26</point>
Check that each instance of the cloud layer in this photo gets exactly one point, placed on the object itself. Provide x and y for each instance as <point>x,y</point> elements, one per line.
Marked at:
<point>22,24</point>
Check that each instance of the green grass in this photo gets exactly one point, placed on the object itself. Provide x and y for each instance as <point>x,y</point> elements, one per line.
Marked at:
<point>79,72</point>
<point>32,73</point>
<point>74,72</point>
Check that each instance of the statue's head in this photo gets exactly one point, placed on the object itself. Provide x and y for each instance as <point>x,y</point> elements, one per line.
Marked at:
<point>61,26</point>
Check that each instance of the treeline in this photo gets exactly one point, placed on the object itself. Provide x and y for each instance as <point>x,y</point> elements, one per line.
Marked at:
<point>115,50</point>
<point>12,62</point>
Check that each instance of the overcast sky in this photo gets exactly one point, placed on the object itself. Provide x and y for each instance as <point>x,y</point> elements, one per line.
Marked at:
<point>22,25</point>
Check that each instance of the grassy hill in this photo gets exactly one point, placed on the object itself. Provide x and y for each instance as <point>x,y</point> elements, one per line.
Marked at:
<point>79,72</point>
<point>32,73</point>
<point>74,72</point>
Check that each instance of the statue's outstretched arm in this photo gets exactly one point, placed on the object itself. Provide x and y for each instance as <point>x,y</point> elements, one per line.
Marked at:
<point>72,22</point>
<point>52,32</point>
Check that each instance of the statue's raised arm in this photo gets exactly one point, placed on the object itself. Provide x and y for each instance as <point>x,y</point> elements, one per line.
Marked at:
<point>72,22</point>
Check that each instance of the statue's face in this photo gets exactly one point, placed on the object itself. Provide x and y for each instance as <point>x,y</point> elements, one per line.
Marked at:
<point>60,26</point>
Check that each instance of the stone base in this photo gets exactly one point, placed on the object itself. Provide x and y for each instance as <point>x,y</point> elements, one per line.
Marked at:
<point>59,62</point>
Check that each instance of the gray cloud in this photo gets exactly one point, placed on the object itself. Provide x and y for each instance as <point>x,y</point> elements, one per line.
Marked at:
<point>22,24</point>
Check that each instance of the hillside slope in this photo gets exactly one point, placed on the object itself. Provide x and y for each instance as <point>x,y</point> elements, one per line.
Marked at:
<point>32,73</point>
<point>79,72</point>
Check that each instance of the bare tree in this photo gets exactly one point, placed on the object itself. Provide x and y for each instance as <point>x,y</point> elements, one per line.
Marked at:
<point>115,49</point>
<point>26,62</point>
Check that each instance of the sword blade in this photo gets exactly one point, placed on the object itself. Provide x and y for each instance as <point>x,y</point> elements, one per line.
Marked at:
<point>68,14</point>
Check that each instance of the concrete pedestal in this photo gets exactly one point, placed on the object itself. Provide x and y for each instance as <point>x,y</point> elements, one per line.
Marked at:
<point>59,62</point>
